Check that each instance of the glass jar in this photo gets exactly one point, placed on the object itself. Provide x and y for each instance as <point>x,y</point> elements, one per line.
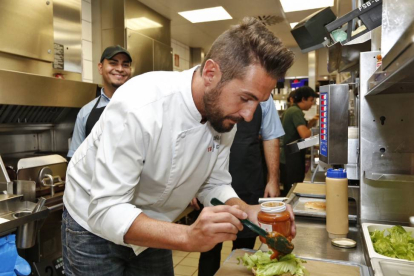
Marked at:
<point>274,217</point>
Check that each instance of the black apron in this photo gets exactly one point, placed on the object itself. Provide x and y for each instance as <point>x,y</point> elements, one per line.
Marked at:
<point>93,117</point>
<point>246,166</point>
<point>294,169</point>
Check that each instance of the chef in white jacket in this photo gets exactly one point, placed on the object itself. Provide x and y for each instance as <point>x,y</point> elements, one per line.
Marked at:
<point>163,139</point>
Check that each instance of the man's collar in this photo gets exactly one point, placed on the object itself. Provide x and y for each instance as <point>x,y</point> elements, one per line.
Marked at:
<point>104,95</point>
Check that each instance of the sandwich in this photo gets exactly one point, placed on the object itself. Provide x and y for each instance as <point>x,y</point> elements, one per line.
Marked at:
<point>262,265</point>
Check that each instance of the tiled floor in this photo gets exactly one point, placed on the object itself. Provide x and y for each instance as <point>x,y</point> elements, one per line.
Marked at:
<point>186,264</point>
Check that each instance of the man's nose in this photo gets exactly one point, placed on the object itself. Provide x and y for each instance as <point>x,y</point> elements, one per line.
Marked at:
<point>248,112</point>
<point>119,67</point>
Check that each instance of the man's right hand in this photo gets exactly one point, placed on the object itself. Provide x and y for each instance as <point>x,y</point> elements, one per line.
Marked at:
<point>214,225</point>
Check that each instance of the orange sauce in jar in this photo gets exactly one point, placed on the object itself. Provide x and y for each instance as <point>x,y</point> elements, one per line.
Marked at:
<point>274,217</point>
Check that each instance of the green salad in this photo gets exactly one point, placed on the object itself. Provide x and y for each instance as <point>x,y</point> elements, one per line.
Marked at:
<point>397,244</point>
<point>264,266</point>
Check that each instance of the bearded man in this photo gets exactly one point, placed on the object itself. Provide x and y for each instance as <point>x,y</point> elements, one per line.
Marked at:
<point>163,139</point>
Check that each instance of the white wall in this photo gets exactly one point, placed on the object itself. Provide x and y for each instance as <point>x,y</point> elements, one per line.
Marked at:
<point>300,65</point>
<point>87,41</point>
<point>183,52</point>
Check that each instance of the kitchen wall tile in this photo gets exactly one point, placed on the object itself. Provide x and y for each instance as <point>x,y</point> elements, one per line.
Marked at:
<point>186,65</point>
<point>86,50</point>
<point>86,30</point>
<point>87,69</point>
<point>86,11</point>
<point>187,54</point>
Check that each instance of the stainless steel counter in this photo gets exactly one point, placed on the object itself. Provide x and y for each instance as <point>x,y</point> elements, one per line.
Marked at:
<point>312,241</point>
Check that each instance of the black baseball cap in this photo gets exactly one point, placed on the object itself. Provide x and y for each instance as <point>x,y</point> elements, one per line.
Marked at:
<point>111,51</point>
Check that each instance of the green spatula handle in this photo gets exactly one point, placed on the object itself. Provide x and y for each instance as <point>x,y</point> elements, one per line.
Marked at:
<point>245,222</point>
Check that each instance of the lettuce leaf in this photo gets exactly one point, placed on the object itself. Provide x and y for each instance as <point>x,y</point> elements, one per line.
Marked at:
<point>266,267</point>
<point>397,244</point>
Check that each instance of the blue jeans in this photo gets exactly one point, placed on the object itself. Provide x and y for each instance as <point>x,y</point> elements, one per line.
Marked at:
<point>87,254</point>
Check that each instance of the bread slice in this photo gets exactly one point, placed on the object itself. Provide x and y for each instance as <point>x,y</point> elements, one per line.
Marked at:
<point>316,205</point>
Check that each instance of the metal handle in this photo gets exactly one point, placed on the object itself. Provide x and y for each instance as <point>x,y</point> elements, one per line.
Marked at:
<point>52,185</point>
<point>40,202</point>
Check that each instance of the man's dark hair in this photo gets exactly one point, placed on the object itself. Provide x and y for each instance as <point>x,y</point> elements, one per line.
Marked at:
<point>304,92</point>
<point>246,44</point>
<point>291,95</point>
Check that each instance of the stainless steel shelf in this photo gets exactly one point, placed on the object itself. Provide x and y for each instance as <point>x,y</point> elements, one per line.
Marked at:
<point>395,74</point>
<point>389,177</point>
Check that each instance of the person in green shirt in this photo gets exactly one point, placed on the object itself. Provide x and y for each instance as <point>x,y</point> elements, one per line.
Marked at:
<point>292,166</point>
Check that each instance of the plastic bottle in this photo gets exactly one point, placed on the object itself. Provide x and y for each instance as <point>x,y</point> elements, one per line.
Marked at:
<point>274,217</point>
<point>337,203</point>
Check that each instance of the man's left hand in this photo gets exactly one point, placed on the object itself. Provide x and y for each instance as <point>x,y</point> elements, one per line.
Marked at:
<point>272,189</point>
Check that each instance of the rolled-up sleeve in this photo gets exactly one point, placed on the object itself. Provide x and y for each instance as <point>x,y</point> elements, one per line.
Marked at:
<point>271,127</point>
<point>118,167</point>
<point>218,185</point>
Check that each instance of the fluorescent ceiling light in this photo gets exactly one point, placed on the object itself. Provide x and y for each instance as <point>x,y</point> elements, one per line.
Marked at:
<point>142,23</point>
<point>301,5</point>
<point>292,25</point>
<point>206,15</point>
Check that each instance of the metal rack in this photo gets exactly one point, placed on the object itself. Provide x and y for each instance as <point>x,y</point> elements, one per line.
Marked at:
<point>396,69</point>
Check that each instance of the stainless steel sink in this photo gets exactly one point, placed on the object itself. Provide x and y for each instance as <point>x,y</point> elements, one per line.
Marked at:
<point>17,215</point>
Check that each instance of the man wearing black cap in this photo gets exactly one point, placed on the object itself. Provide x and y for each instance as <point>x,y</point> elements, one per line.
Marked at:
<point>292,166</point>
<point>115,68</point>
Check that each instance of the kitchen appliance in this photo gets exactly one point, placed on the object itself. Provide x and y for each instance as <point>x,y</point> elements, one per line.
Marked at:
<point>47,173</point>
<point>333,122</point>
<point>310,33</point>
<point>369,13</point>
<point>37,117</point>
<point>316,192</point>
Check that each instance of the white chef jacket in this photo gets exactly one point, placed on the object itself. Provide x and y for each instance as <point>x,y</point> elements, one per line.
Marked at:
<point>147,153</point>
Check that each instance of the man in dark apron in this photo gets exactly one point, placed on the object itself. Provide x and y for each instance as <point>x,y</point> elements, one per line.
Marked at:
<point>246,167</point>
<point>115,68</point>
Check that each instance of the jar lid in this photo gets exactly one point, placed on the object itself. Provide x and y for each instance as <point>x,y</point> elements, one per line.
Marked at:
<point>336,173</point>
<point>343,243</point>
<point>273,207</point>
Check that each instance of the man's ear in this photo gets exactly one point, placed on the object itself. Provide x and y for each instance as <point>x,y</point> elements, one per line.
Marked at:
<point>211,73</point>
<point>100,65</point>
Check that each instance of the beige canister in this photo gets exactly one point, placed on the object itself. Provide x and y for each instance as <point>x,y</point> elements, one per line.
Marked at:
<point>337,203</point>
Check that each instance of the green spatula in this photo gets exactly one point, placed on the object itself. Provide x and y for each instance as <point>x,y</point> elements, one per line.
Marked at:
<point>279,243</point>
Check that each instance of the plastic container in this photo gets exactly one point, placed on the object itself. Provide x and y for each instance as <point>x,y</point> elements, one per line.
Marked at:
<point>371,227</point>
<point>337,223</point>
<point>274,217</point>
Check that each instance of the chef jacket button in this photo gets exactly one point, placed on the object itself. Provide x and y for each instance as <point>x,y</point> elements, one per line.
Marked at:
<point>183,135</point>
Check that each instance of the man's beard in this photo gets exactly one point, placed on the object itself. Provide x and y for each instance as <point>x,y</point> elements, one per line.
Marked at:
<point>214,114</point>
<point>115,85</point>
